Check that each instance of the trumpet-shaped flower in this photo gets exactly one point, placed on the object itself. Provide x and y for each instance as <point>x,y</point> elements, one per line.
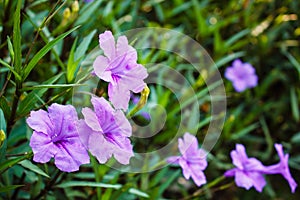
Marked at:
<point>282,167</point>
<point>55,135</point>
<point>105,132</point>
<point>119,67</point>
<point>242,75</point>
<point>248,172</point>
<point>192,159</point>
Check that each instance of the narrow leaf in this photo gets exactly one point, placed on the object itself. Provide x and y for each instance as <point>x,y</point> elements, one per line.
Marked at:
<point>9,188</point>
<point>294,104</point>
<point>29,165</point>
<point>138,192</point>
<point>18,77</point>
<point>39,55</point>
<point>9,163</point>
<point>52,86</point>
<point>83,47</point>
<point>17,38</point>
<point>87,184</point>
<point>29,101</point>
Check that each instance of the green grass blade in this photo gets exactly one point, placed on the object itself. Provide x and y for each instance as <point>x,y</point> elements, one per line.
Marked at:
<point>43,52</point>
<point>9,163</point>
<point>17,38</point>
<point>88,184</point>
<point>294,104</point>
<point>29,165</point>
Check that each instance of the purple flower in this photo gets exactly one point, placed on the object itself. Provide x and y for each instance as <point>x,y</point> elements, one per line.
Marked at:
<point>192,159</point>
<point>55,135</point>
<point>105,132</point>
<point>120,69</point>
<point>242,75</point>
<point>282,167</point>
<point>88,1</point>
<point>248,172</point>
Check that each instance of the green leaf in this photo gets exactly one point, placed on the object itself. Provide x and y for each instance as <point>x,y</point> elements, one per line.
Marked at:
<point>72,64</point>
<point>296,138</point>
<point>51,86</point>
<point>9,188</point>
<point>83,47</point>
<point>17,38</point>
<point>228,58</point>
<point>30,100</point>
<point>29,165</point>
<point>244,131</point>
<point>138,192</point>
<point>236,37</point>
<point>18,77</point>
<point>9,163</point>
<point>294,104</point>
<point>38,56</point>
<point>86,13</point>
<point>293,60</point>
<point>87,184</point>
<point>11,49</point>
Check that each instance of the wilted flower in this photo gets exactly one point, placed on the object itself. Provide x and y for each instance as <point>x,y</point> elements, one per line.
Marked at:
<point>192,159</point>
<point>55,135</point>
<point>105,132</point>
<point>120,69</point>
<point>248,172</point>
<point>282,167</point>
<point>242,75</point>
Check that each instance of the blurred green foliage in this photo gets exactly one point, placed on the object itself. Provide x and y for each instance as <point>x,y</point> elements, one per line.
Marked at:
<point>44,44</point>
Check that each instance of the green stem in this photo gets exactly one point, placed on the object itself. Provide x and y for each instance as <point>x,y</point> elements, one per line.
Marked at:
<point>13,113</point>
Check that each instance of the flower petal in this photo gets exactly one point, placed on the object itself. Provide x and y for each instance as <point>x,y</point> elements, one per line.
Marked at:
<point>42,147</point>
<point>70,156</point>
<point>173,160</point>
<point>239,156</point>
<point>84,132</point>
<point>119,96</point>
<point>107,44</point>
<point>101,68</point>
<point>185,168</point>
<point>258,180</point>
<point>100,147</point>
<point>197,174</point>
<point>40,122</point>
<point>123,151</point>
<point>124,49</point>
<point>65,118</point>
<point>230,172</point>
<point>242,180</point>
<point>123,124</point>
<point>240,85</point>
<point>229,74</point>
<point>134,78</point>
<point>91,119</point>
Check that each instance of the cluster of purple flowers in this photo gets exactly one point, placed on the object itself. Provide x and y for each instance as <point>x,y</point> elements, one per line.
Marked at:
<point>104,131</point>
<point>248,172</point>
